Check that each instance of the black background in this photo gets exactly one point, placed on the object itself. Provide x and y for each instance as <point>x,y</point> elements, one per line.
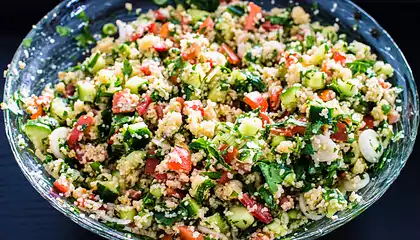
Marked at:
<point>24,214</point>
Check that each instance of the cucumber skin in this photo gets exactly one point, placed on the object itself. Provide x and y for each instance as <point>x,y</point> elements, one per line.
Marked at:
<point>37,133</point>
<point>314,115</point>
<point>86,91</point>
<point>192,206</point>
<point>240,217</point>
<point>107,194</point>
<point>289,99</point>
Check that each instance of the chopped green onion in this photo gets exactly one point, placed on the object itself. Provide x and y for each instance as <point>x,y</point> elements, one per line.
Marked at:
<point>27,42</point>
<point>63,31</point>
<point>109,29</point>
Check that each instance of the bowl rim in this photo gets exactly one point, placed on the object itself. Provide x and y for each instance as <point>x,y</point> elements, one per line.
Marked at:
<point>108,232</point>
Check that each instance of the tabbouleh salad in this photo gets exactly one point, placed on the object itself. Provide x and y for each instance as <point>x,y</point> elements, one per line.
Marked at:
<point>215,122</point>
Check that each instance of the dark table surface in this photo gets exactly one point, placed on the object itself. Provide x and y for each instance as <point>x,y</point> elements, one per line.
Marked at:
<point>24,214</point>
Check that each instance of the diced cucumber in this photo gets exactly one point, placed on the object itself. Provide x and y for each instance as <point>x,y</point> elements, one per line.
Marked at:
<point>345,88</point>
<point>96,63</point>
<point>133,160</point>
<point>136,84</point>
<point>38,133</point>
<point>315,80</point>
<point>277,140</point>
<point>193,74</point>
<point>250,126</point>
<point>216,94</point>
<point>197,15</point>
<point>96,166</point>
<point>227,138</point>
<point>289,179</point>
<point>292,214</point>
<point>60,110</point>
<point>146,219</point>
<point>320,114</point>
<point>137,135</point>
<point>217,223</point>
<point>86,90</point>
<point>192,206</point>
<point>124,50</point>
<point>108,191</point>
<point>156,190</point>
<point>289,99</point>
<point>240,217</point>
<point>127,213</point>
<point>319,54</point>
<point>277,228</point>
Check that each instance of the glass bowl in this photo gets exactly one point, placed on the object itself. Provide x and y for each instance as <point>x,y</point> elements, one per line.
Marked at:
<point>49,53</point>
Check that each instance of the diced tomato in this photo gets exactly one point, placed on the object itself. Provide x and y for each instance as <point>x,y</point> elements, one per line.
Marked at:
<point>256,100</point>
<point>146,70</point>
<point>181,101</point>
<point>161,177</point>
<point>167,237</point>
<point>186,234</point>
<point>159,111</point>
<point>159,16</point>
<point>180,160</point>
<point>230,155</point>
<point>150,166</point>
<point>39,112</point>
<point>275,97</point>
<point>143,105</point>
<point>325,69</point>
<point>393,117</point>
<point>160,47</point>
<point>195,105</point>
<point>206,26</point>
<point>291,59</point>
<point>61,185</point>
<point>124,102</point>
<point>258,210</point>
<point>184,22</point>
<point>260,236</point>
<point>270,27</point>
<point>224,178</point>
<point>232,57</point>
<point>70,90</point>
<point>192,52</point>
<point>164,30</point>
<point>341,134</point>
<point>135,36</point>
<point>289,131</point>
<point>175,193</point>
<point>265,119</point>
<point>300,37</point>
<point>250,20</point>
<point>368,119</point>
<point>83,124</point>
<point>153,28</point>
<point>384,84</point>
<point>338,57</point>
<point>327,95</point>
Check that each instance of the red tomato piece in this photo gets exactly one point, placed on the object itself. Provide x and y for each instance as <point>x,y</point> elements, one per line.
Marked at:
<point>82,125</point>
<point>224,178</point>
<point>327,95</point>
<point>257,210</point>
<point>291,59</point>
<point>153,28</point>
<point>192,52</point>
<point>167,237</point>
<point>256,100</point>
<point>164,30</point>
<point>186,234</point>
<point>39,112</point>
<point>230,155</point>
<point>180,100</point>
<point>159,111</point>
<point>180,160</point>
<point>265,119</point>
<point>338,57</point>
<point>161,177</point>
<point>232,57</point>
<point>270,27</point>
<point>206,26</point>
<point>146,70</point>
<point>393,117</point>
<point>175,193</point>
<point>195,105</point>
<point>341,134</point>
<point>124,102</point>
<point>143,105</point>
<point>250,20</point>
<point>159,16</point>
<point>70,90</point>
<point>150,166</point>
<point>275,97</point>
<point>61,185</point>
<point>160,47</point>
<point>135,36</point>
<point>368,119</point>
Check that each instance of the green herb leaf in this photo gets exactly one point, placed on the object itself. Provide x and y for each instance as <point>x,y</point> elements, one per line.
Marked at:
<point>210,150</point>
<point>360,66</point>
<point>202,189</point>
<point>274,174</point>
<point>82,16</point>
<point>27,42</point>
<point>176,215</point>
<point>267,196</point>
<point>127,68</point>
<point>85,38</point>
<point>212,175</point>
<point>63,31</point>
<point>236,10</point>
